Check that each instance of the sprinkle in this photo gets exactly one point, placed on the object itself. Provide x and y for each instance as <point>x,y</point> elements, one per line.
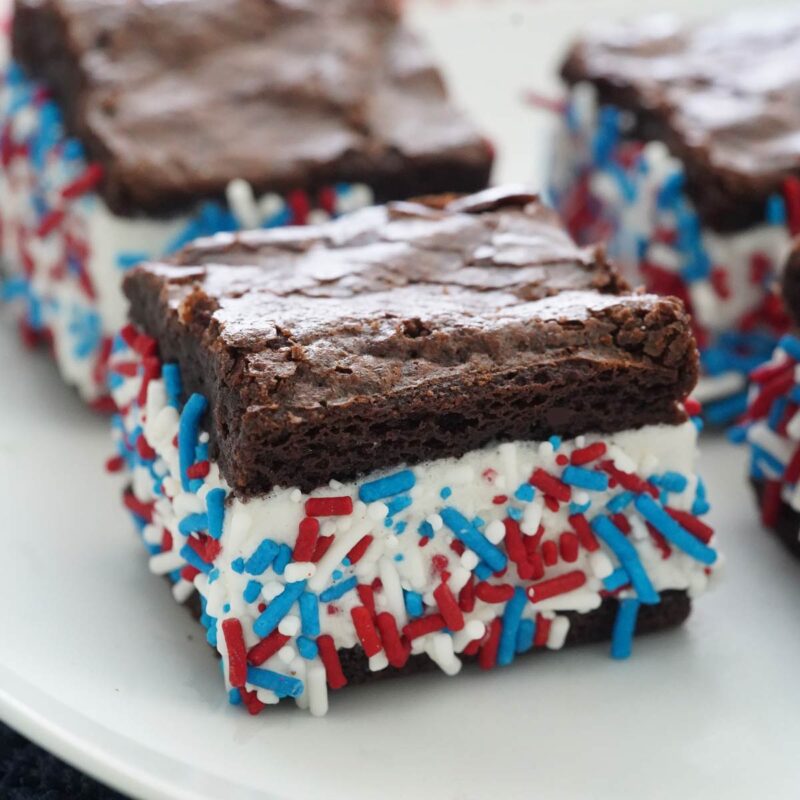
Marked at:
<point>585,479</point>
<point>396,651</point>
<point>695,526</point>
<point>511,618</point>
<point>365,630</point>
<point>568,547</point>
<point>494,593</point>
<point>338,589</point>
<point>358,551</point>
<point>424,625</point>
<point>172,383</point>
<point>526,630</point>
<point>629,558</point>
<point>188,429</point>
<point>550,485</point>
<point>448,606</point>
<point>84,183</point>
<point>624,627</point>
<point>266,648</point>
<point>282,559</point>
<point>263,556</point>
<point>367,597</point>
<point>237,655</point>
<point>616,580</point>
<point>269,620</point>
<point>552,587</point>
<point>329,506</point>
<point>307,647</point>
<point>215,503</point>
<point>580,525</point>
<point>306,541</point>
<point>673,531</point>
<point>391,485</point>
<point>281,685</point>
<point>473,538</point>
<point>252,591</point>
<point>413,602</point>
<point>487,657</point>
<point>330,659</point>
<point>588,454</point>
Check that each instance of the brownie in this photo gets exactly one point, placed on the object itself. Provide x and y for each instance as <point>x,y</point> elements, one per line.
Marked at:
<point>409,332</point>
<point>174,100</point>
<point>722,94</point>
<point>786,524</point>
<point>791,282</point>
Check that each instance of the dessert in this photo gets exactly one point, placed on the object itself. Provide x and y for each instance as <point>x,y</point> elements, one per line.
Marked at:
<point>679,144</point>
<point>771,425</point>
<point>128,129</point>
<point>423,433</point>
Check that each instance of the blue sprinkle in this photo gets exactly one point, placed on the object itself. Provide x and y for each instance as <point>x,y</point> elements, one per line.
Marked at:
<point>620,502</point>
<point>670,191</point>
<point>336,574</point>
<point>425,529</point>
<point>188,429</point>
<point>391,485</point>
<point>776,412</point>
<point>281,685</point>
<point>723,411</point>
<point>191,557</point>
<point>791,345</point>
<point>396,505</point>
<point>237,565</point>
<point>776,210</point>
<point>585,478</point>
<point>252,591</point>
<point>213,575</point>
<point>525,492</point>
<point>526,631</point>
<point>126,260</point>
<point>263,556</point>
<point>474,539</point>
<point>511,617</point>
<point>555,441</point>
<point>234,698</point>
<point>616,580</point>
<point>414,604</point>
<point>193,522</point>
<point>483,571</point>
<point>172,383</point>
<point>215,503</point>
<point>309,613</point>
<point>445,493</point>
<point>514,513</point>
<point>280,606</point>
<point>283,559</point>
<point>673,531</point>
<point>575,508</point>
<point>673,482</point>
<point>401,527</point>
<point>628,557</point>
<point>765,457</point>
<point>624,627</point>
<point>399,557</point>
<point>307,647</point>
<point>226,608</point>
<point>338,589</point>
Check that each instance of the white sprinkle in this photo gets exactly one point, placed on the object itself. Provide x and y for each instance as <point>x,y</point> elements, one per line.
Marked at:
<point>286,653</point>
<point>317,689</point>
<point>377,511</point>
<point>378,662</point>
<point>296,496</point>
<point>440,648</point>
<point>182,590</point>
<point>495,531</point>
<point>269,205</point>
<point>435,521</point>
<point>474,629</point>
<point>334,484</point>
<point>559,628</point>
<point>242,202</point>
<point>162,563</point>
<point>289,625</point>
<point>299,571</point>
<point>600,564</point>
<point>271,589</point>
<point>469,560</point>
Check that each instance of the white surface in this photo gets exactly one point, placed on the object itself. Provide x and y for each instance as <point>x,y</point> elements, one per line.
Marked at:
<point>99,664</point>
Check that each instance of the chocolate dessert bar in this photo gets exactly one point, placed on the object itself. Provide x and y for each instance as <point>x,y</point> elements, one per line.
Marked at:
<point>771,425</point>
<point>129,129</point>
<point>680,144</point>
<point>425,433</point>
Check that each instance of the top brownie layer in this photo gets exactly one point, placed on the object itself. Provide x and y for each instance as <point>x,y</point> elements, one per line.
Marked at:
<point>175,98</point>
<point>724,96</point>
<point>409,332</point>
<point>791,282</point>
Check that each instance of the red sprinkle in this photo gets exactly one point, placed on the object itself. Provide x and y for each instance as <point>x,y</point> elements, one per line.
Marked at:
<point>550,552</point>
<point>237,654</point>
<point>499,499</point>
<point>628,480</point>
<point>115,464</point>
<point>550,485</point>
<point>568,546</point>
<point>791,191</point>
<point>198,470</point>
<point>50,222</point>
<point>329,506</point>
<point>397,651</point>
<point>515,547</point>
<point>586,536</point>
<point>555,586</point>
<point>266,648</point>
<point>365,629</point>
<point>771,503</point>
<point>166,541</point>
<point>448,606</point>
<point>357,553</point>
<point>85,182</point>
<point>251,701</point>
<point>367,597</point>
<point>419,627</point>
<point>487,657</point>
<point>537,566</point>
<point>143,510</point>
<point>466,597</point>
<point>144,450</point>
<point>692,524</point>
<point>189,573</point>
<point>587,454</point>
<point>323,543</point>
<point>494,592</point>
<point>542,631</point>
<point>330,660</point>
<point>306,542</point>
<point>769,392</point>
<point>693,407</point>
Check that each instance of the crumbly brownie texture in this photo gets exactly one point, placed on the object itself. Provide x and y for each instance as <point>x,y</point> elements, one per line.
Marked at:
<point>174,100</point>
<point>791,282</point>
<point>414,331</point>
<point>782,519</point>
<point>722,95</point>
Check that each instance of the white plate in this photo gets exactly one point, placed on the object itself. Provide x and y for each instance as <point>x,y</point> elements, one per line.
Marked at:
<point>98,664</point>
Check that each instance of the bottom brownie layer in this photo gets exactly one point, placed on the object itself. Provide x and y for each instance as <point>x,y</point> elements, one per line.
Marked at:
<point>597,626</point>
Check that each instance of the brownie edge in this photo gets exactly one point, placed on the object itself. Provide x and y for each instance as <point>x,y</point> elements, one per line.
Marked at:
<point>408,333</point>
